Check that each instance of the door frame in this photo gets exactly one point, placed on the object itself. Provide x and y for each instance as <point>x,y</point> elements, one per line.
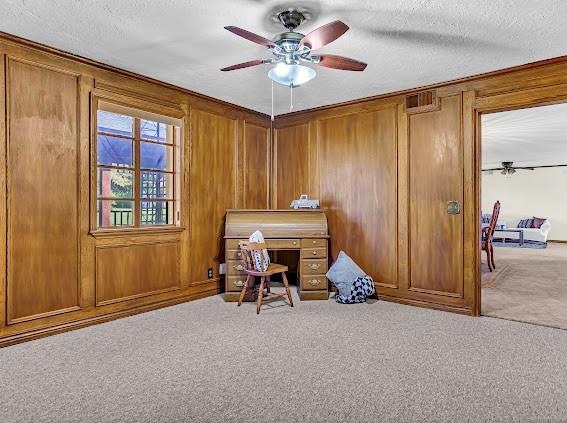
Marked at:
<point>507,101</point>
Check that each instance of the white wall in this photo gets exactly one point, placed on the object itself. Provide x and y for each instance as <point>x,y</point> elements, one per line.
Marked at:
<point>527,193</point>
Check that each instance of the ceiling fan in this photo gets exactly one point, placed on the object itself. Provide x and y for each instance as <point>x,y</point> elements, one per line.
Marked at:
<point>508,168</point>
<point>290,48</point>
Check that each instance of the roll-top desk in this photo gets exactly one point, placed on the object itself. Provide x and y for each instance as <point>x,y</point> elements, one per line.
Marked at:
<point>304,230</point>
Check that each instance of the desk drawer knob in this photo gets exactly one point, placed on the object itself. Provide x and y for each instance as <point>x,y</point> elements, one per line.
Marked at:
<point>239,284</point>
<point>314,242</point>
<point>294,242</point>
<point>314,282</point>
<point>314,266</point>
<point>238,267</point>
<point>314,253</point>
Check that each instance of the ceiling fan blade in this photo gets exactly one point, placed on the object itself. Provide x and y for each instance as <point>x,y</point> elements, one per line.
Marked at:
<point>258,39</point>
<point>243,65</point>
<point>323,35</point>
<point>340,62</point>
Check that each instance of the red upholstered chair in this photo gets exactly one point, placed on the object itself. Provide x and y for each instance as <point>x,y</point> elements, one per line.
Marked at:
<point>488,235</point>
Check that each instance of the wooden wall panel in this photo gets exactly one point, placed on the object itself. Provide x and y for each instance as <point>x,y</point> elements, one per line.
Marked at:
<point>60,272</point>
<point>436,177</point>
<point>291,164</point>
<point>129,271</point>
<point>256,166</point>
<point>213,188</point>
<point>41,106</point>
<point>358,177</point>
<point>42,189</point>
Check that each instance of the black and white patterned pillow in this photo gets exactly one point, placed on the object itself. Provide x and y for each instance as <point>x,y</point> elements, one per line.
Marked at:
<point>362,288</point>
<point>486,217</point>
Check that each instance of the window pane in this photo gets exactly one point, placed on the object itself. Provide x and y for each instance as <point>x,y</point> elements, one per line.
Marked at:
<point>113,123</point>
<point>114,151</point>
<point>155,156</point>
<point>156,185</point>
<point>115,183</point>
<point>154,131</point>
<point>157,212</point>
<point>115,213</point>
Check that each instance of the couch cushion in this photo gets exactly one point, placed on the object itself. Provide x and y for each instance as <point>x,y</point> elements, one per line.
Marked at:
<point>525,223</point>
<point>537,222</point>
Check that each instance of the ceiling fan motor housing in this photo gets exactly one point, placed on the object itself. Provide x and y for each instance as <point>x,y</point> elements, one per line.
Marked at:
<point>291,19</point>
<point>288,41</point>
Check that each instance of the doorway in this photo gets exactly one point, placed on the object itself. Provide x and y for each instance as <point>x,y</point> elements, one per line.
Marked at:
<point>524,170</point>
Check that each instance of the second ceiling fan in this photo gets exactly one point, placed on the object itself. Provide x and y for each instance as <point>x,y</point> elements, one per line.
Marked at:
<point>290,48</point>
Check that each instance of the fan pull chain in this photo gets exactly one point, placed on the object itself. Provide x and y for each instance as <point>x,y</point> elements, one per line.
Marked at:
<point>272,116</point>
<point>290,97</point>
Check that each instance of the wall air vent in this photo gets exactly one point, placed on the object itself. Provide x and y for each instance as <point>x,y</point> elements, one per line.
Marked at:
<point>423,101</point>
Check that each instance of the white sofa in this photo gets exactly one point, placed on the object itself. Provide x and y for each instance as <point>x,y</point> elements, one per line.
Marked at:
<point>530,234</point>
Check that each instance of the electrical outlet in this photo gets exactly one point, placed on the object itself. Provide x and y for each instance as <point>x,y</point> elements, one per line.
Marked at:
<point>222,269</point>
<point>210,273</point>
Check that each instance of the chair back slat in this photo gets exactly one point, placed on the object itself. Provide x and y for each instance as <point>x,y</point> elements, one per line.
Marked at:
<point>247,258</point>
<point>493,221</point>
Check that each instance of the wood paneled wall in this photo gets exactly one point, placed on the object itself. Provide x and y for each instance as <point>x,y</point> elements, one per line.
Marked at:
<point>60,271</point>
<point>358,178</point>
<point>383,173</point>
<point>386,174</point>
<point>42,190</point>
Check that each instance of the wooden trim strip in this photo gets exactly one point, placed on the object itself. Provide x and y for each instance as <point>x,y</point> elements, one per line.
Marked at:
<point>149,230</point>
<point>425,304</point>
<point>64,327</point>
<point>472,78</point>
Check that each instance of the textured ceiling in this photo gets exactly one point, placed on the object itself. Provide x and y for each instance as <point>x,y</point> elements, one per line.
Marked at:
<point>406,43</point>
<point>527,137</point>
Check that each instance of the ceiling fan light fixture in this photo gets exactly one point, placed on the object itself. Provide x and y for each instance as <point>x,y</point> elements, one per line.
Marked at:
<point>291,75</point>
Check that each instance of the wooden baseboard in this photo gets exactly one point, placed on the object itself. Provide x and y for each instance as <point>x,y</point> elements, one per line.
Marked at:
<point>558,241</point>
<point>424,304</point>
<point>313,295</point>
<point>231,296</point>
<point>64,327</point>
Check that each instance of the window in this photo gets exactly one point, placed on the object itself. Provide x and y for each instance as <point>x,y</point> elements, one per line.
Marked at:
<point>137,168</point>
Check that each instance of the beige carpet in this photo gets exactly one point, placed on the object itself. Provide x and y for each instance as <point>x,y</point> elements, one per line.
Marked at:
<point>529,285</point>
<point>209,361</point>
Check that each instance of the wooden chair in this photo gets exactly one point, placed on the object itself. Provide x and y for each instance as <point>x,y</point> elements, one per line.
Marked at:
<point>247,249</point>
<point>488,235</point>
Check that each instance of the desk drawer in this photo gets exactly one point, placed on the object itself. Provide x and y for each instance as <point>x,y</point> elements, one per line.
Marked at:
<point>307,253</point>
<point>313,267</point>
<point>273,244</point>
<point>234,267</point>
<point>314,243</point>
<point>234,255</point>
<point>314,282</point>
<point>282,244</point>
<point>235,283</point>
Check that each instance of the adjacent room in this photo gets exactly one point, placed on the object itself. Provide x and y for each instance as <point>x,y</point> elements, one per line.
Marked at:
<point>524,170</point>
<point>257,211</point>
